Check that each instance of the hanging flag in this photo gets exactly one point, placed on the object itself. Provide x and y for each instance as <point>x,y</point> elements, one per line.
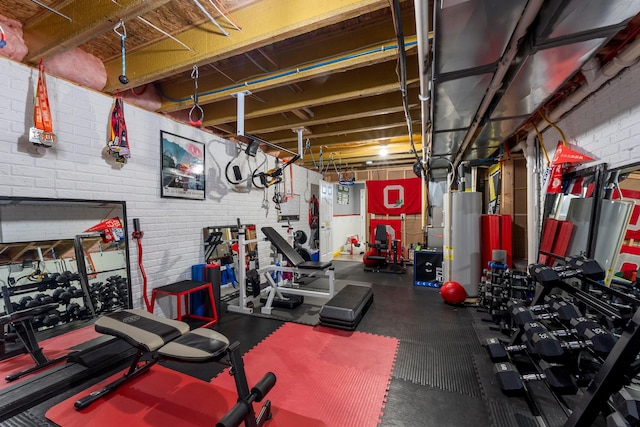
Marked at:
<point>118,144</point>
<point>110,230</point>
<point>554,183</point>
<point>394,196</point>
<point>564,154</point>
<point>42,132</point>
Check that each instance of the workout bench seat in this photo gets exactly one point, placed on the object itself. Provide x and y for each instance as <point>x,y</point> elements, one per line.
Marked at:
<point>167,339</point>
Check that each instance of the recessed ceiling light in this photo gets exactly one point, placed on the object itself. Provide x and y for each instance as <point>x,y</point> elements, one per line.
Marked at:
<point>368,162</point>
<point>383,151</point>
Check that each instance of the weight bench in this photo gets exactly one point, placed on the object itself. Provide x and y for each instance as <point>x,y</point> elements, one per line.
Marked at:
<point>297,264</point>
<point>157,338</point>
<point>21,321</point>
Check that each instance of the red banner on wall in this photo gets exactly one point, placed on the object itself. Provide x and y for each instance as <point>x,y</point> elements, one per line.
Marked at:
<point>394,196</point>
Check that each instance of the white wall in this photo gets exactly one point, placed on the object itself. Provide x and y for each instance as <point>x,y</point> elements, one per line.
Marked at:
<point>607,125</point>
<point>76,168</point>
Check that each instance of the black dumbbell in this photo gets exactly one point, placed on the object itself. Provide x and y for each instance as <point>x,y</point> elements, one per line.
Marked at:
<point>562,310</point>
<point>558,377</point>
<point>44,299</point>
<point>627,403</point>
<point>576,266</point>
<point>51,318</point>
<point>548,346</point>
<point>28,302</point>
<point>73,310</point>
<point>499,352</point>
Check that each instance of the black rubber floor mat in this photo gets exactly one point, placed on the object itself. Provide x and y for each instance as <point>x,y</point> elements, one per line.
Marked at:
<point>508,416</point>
<point>27,419</point>
<point>438,364</point>
<point>412,405</point>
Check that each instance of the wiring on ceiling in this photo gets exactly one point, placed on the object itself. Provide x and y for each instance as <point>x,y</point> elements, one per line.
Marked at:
<point>402,74</point>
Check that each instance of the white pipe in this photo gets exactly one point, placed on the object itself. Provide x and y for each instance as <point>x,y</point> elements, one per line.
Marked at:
<point>422,34</point>
<point>625,58</point>
<point>240,110</point>
<point>533,186</point>
<point>528,16</point>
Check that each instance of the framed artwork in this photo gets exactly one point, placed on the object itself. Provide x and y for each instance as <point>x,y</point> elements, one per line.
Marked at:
<point>182,167</point>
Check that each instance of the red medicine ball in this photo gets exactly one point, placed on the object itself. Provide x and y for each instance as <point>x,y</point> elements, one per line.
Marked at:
<point>453,293</point>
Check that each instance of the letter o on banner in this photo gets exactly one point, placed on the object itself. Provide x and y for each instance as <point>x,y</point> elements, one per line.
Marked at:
<point>398,201</point>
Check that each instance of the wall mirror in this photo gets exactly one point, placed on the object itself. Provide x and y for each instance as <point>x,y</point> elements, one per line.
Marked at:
<point>73,253</point>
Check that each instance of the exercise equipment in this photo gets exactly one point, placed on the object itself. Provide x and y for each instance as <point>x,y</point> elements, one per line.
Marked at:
<point>123,35</point>
<point>197,122</point>
<point>22,323</point>
<point>453,293</point>
<point>562,310</point>
<point>297,265</point>
<point>347,307</point>
<point>385,252</point>
<point>627,404</point>
<point>156,338</point>
<point>558,378</point>
<point>547,344</point>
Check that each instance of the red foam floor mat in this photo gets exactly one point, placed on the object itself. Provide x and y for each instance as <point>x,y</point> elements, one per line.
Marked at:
<point>164,398</point>
<point>325,377</point>
<point>53,348</point>
<point>339,377</point>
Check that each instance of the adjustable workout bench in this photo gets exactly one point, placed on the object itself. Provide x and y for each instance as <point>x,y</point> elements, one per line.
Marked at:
<point>166,339</point>
<point>297,265</point>
<point>21,322</point>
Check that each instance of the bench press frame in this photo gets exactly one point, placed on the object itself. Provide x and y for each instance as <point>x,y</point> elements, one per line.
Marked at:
<point>297,265</point>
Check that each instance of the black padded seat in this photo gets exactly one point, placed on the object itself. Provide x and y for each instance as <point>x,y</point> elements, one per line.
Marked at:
<point>149,332</point>
<point>290,254</point>
<point>315,265</point>
<point>199,345</point>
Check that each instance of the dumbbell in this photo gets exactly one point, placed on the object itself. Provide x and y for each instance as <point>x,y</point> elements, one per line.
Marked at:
<point>627,404</point>
<point>547,345</point>
<point>603,341</point>
<point>499,352</point>
<point>73,310</point>
<point>558,377</point>
<point>562,310</point>
<point>576,266</point>
<point>43,299</point>
<point>51,318</point>
<point>28,302</point>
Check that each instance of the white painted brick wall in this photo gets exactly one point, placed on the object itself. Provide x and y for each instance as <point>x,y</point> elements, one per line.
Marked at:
<point>76,168</point>
<point>607,125</point>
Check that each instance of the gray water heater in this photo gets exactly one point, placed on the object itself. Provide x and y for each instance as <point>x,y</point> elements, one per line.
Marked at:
<point>462,212</point>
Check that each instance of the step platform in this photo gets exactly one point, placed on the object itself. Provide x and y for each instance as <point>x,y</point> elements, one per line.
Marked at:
<point>346,308</point>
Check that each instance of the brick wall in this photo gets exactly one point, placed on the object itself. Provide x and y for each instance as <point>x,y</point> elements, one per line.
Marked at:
<point>77,168</point>
<point>607,125</point>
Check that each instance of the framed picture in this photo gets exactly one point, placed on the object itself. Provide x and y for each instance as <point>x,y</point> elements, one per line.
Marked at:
<point>182,167</point>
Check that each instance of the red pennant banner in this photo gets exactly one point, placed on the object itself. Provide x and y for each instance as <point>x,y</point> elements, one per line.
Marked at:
<point>394,196</point>
<point>554,185</point>
<point>564,154</point>
<point>111,229</point>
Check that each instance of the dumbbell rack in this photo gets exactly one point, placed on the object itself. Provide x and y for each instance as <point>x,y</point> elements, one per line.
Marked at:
<point>617,369</point>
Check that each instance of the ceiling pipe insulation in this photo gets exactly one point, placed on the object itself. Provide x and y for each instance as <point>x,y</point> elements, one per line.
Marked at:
<point>596,78</point>
<point>528,16</point>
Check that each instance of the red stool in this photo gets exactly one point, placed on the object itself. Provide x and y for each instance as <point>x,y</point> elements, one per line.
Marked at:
<point>183,289</point>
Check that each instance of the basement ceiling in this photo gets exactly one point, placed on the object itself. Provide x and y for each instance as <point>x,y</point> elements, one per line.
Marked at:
<point>332,67</point>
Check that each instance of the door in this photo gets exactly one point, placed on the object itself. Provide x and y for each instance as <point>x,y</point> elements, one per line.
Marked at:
<point>326,216</point>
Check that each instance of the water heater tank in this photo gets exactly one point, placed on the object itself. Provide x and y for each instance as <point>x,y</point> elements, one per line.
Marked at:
<point>462,240</point>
